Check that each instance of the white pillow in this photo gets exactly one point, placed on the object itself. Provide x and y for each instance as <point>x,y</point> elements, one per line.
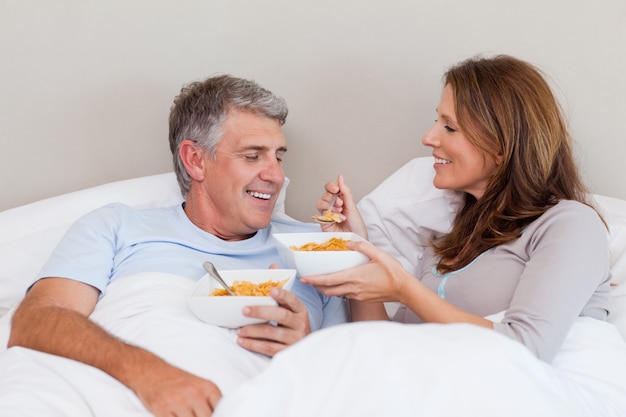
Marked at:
<point>30,232</point>
<point>614,212</point>
<point>404,211</point>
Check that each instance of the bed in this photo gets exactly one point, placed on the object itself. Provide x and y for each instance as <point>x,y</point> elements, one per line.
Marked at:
<point>359,369</point>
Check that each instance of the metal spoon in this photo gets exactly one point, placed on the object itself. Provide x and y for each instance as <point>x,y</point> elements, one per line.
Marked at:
<point>210,268</point>
<point>329,216</point>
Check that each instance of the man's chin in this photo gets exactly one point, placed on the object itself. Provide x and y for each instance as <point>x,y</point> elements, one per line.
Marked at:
<point>260,221</point>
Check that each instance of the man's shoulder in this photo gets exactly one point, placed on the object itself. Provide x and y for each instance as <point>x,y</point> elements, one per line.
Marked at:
<point>122,208</point>
<point>120,213</point>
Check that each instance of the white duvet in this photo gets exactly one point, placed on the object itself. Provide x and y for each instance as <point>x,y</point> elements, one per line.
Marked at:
<point>360,369</point>
<point>149,310</point>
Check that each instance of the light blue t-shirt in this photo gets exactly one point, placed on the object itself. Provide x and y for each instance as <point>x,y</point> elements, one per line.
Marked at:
<point>116,241</point>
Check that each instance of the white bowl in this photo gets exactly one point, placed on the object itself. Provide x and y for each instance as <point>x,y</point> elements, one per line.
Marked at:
<point>317,262</point>
<point>226,311</point>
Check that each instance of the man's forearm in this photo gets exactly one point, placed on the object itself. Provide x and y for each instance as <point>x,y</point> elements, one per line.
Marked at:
<point>67,333</point>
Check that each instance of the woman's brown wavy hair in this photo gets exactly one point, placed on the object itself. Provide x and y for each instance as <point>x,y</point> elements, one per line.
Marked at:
<point>506,108</point>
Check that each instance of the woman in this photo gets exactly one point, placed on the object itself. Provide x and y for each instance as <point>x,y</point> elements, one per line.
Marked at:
<point>525,241</point>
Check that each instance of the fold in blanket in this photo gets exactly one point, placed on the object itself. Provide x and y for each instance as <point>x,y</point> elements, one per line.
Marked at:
<point>391,369</point>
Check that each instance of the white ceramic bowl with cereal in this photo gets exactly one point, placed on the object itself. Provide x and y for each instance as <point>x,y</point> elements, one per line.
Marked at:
<point>316,262</point>
<point>226,310</point>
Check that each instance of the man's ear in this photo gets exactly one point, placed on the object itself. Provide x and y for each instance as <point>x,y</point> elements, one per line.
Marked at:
<point>192,157</point>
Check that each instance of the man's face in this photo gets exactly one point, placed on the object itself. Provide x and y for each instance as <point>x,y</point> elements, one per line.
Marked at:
<point>242,183</point>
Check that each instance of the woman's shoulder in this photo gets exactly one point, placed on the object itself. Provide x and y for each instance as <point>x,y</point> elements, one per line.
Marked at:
<point>572,207</point>
<point>573,215</point>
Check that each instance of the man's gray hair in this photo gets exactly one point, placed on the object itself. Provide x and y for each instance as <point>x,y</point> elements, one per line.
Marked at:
<point>199,112</point>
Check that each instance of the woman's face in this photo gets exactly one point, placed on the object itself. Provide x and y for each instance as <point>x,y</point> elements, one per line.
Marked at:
<point>459,165</point>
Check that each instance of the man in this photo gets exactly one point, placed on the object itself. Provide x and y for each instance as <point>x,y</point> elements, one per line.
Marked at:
<point>227,143</point>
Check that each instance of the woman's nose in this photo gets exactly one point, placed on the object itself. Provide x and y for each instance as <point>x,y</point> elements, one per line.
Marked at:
<point>430,138</point>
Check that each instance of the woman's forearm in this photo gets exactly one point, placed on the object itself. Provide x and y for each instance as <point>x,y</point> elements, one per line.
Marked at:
<point>363,311</point>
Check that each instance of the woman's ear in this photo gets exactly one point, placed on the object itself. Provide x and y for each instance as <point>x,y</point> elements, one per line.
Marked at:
<point>499,158</point>
<point>192,157</point>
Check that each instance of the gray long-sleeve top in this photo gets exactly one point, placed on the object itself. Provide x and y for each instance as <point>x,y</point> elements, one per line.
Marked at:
<point>556,271</point>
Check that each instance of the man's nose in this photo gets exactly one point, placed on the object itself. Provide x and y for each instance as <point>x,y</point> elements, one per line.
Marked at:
<point>273,170</point>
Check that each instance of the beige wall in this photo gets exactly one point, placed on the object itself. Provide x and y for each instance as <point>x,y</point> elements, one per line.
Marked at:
<point>85,86</point>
